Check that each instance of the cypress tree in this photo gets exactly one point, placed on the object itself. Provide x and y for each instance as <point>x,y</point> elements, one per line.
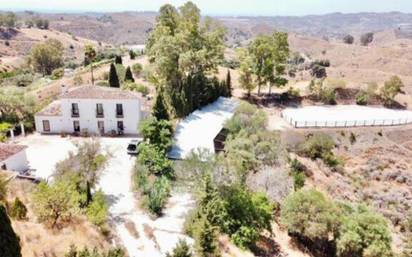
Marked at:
<point>159,108</point>
<point>118,59</point>
<point>9,241</point>
<point>128,76</point>
<point>228,84</point>
<point>113,78</point>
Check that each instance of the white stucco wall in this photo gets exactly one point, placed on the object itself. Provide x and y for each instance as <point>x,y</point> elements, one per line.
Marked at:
<point>132,115</point>
<point>17,162</point>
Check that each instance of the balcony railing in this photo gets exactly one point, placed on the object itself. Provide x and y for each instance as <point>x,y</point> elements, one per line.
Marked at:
<point>119,115</point>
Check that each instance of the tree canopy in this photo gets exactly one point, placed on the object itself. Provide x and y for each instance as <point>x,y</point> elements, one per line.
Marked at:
<point>47,56</point>
<point>182,51</point>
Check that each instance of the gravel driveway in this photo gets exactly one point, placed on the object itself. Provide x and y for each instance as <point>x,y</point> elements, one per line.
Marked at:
<point>137,232</point>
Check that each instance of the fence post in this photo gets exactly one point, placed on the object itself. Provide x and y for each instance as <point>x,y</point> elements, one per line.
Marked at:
<point>355,123</point>
<point>346,122</point>
<point>296,124</point>
<point>316,123</point>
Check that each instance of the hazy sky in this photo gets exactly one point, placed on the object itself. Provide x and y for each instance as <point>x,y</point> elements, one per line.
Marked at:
<point>217,7</point>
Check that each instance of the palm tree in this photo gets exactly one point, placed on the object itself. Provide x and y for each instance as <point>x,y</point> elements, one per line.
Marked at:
<point>90,55</point>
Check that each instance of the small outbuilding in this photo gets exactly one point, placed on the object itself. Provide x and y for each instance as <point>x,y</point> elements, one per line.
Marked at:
<point>13,157</point>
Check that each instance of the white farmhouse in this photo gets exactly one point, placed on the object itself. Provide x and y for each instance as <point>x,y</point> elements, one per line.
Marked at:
<point>92,110</point>
<point>13,157</point>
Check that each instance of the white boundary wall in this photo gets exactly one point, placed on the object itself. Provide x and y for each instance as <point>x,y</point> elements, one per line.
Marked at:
<point>345,116</point>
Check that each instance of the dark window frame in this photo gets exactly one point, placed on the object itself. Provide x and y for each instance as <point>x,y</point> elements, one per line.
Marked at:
<point>75,110</point>
<point>119,110</point>
<point>48,125</point>
<point>99,111</point>
<point>76,122</point>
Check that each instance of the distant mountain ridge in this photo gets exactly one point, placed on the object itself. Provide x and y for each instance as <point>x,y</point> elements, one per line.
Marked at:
<point>134,27</point>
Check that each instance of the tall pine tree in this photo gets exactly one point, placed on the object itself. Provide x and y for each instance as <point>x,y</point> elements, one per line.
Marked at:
<point>9,241</point>
<point>159,108</point>
<point>128,76</point>
<point>113,78</point>
<point>228,84</point>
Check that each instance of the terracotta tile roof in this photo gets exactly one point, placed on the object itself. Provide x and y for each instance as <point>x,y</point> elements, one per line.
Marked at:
<point>98,92</point>
<point>8,150</point>
<point>53,109</point>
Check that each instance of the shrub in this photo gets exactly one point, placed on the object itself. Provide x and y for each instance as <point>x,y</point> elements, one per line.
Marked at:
<point>248,214</point>
<point>348,39</point>
<point>97,210</point>
<point>85,252</point>
<point>155,160</point>
<point>205,235</point>
<point>316,146</point>
<point>128,75</point>
<point>137,69</point>
<point>297,171</point>
<point>366,38</point>
<point>391,88</point>
<point>57,74</point>
<point>77,80</point>
<point>156,199</point>
<point>113,77</point>
<point>118,59</point>
<point>364,233</point>
<point>144,90</point>
<point>310,214</point>
<point>18,210</point>
<point>362,98</point>
<point>182,249</point>
<point>132,55</point>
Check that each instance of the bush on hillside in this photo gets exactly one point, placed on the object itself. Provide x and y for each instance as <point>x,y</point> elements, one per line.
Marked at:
<point>18,210</point>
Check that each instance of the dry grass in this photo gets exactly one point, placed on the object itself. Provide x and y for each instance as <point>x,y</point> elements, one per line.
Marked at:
<point>39,241</point>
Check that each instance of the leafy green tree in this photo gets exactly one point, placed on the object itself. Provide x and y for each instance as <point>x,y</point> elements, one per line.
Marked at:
<point>155,160</point>
<point>4,128</point>
<point>391,88</point>
<point>280,55</point>
<point>260,51</point>
<point>47,56</point>
<point>97,210</point>
<point>10,242</point>
<point>249,214</point>
<point>90,56</point>
<point>159,110</point>
<point>91,163</point>
<point>364,233</point>
<point>182,249</point>
<point>157,132</point>
<point>18,210</point>
<point>183,51</point>
<point>8,19</point>
<point>113,78</point>
<point>310,214</point>
<point>246,78</point>
<point>128,75</point>
<point>55,203</point>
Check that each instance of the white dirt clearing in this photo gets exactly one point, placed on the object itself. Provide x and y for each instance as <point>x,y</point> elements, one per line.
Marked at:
<point>140,234</point>
<point>345,116</point>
